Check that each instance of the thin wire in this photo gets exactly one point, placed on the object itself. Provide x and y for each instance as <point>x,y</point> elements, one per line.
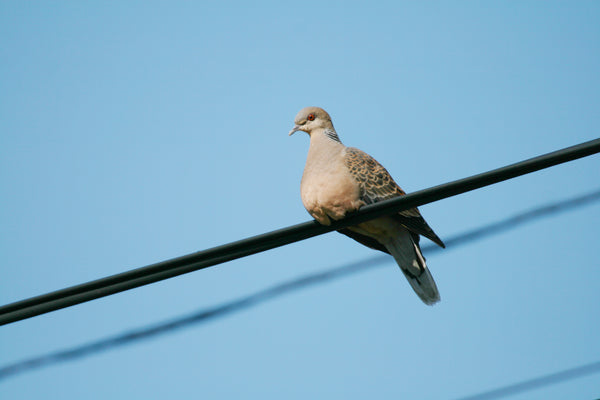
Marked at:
<point>167,269</point>
<point>255,299</point>
<point>536,383</point>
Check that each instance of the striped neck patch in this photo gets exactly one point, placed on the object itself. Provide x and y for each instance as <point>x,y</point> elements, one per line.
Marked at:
<point>332,135</point>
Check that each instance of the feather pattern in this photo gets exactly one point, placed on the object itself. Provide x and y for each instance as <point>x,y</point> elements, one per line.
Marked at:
<point>376,184</point>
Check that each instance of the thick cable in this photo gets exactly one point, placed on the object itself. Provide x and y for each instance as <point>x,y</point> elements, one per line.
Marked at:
<point>167,269</point>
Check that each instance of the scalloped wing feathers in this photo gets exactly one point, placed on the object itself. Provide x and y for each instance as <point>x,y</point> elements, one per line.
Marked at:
<point>376,184</point>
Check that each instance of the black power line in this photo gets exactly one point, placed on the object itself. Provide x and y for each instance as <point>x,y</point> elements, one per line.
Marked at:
<point>517,219</point>
<point>206,315</point>
<point>167,269</point>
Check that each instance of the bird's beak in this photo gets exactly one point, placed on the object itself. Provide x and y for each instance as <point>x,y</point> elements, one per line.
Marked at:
<point>296,128</point>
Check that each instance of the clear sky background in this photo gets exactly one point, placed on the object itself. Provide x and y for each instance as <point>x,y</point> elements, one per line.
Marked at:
<point>133,132</point>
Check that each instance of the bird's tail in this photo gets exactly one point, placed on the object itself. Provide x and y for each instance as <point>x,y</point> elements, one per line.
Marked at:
<point>407,254</point>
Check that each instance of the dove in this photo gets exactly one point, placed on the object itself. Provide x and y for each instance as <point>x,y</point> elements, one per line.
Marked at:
<point>338,180</point>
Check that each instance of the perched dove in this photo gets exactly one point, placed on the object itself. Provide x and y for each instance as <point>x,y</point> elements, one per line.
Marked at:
<point>339,179</point>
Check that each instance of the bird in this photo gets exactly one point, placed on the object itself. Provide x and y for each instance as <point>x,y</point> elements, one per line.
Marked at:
<point>338,180</point>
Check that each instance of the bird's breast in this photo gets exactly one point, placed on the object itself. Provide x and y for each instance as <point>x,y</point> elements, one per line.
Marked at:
<point>329,189</point>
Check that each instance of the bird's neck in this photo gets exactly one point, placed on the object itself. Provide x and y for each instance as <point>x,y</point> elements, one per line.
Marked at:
<point>325,137</point>
<point>323,143</point>
<point>331,134</point>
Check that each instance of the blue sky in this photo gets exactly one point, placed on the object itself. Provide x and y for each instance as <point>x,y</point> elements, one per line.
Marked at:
<point>133,132</point>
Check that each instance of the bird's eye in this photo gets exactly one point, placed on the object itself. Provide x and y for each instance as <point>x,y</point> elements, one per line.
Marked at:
<point>311,117</point>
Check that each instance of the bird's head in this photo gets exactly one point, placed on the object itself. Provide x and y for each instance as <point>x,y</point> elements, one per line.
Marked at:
<point>310,119</point>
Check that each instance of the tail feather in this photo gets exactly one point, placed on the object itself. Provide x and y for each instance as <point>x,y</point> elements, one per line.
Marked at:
<point>407,254</point>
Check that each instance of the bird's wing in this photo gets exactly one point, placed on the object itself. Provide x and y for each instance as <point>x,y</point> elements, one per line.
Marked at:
<point>376,184</point>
